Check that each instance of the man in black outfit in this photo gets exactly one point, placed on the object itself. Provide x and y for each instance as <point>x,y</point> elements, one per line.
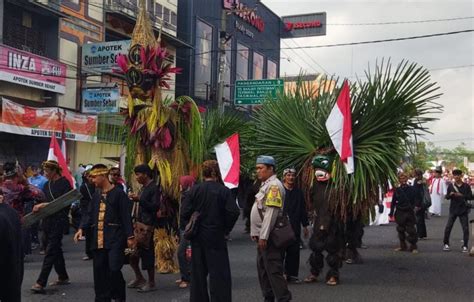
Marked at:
<point>218,214</point>
<point>406,202</point>
<point>53,227</point>
<point>421,190</point>
<point>458,193</point>
<point>295,208</point>
<point>11,254</point>
<point>87,189</point>
<point>148,203</point>
<point>111,224</point>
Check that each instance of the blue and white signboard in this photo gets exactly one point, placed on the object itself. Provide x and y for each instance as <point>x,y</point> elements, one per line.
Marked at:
<point>100,100</point>
<point>102,57</point>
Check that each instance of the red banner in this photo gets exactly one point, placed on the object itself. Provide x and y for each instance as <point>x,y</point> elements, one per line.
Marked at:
<point>43,122</point>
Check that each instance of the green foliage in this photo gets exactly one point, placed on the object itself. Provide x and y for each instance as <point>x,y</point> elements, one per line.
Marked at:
<point>392,104</point>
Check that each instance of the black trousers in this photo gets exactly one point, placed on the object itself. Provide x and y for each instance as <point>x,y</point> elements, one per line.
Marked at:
<point>108,279</point>
<point>292,258</point>
<point>420,223</point>
<point>464,220</point>
<point>406,227</point>
<point>270,274</point>
<point>184,264</point>
<point>212,262</point>
<point>332,241</point>
<point>88,235</point>
<point>54,254</point>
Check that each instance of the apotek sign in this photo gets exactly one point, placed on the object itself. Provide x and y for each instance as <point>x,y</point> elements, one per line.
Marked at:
<point>307,25</point>
<point>102,57</point>
<point>100,100</point>
<point>26,69</point>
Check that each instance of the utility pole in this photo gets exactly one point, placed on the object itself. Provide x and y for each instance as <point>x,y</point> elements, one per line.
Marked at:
<point>222,61</point>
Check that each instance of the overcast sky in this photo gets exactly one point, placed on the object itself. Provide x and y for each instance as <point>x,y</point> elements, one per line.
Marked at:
<point>438,54</point>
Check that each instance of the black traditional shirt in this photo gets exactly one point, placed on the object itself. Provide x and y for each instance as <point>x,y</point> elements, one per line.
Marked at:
<point>53,190</point>
<point>110,219</point>
<point>149,201</point>
<point>458,205</point>
<point>295,207</point>
<point>405,198</point>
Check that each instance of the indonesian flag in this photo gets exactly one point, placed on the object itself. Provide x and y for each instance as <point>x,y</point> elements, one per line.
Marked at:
<point>56,154</point>
<point>63,143</point>
<point>228,157</point>
<point>339,125</point>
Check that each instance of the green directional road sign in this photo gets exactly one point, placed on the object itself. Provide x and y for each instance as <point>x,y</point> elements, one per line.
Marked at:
<point>254,92</point>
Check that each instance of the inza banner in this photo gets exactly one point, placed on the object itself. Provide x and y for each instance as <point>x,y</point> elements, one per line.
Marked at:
<point>24,68</point>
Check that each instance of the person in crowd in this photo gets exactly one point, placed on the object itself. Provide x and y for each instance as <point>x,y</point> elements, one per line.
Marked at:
<point>218,215</point>
<point>438,190</point>
<point>295,208</point>
<point>116,178</point>
<point>405,201</point>
<point>53,228</point>
<point>186,182</point>
<point>37,179</point>
<point>421,190</point>
<point>146,205</point>
<point>87,190</point>
<point>11,253</point>
<point>269,201</point>
<point>458,193</point>
<point>79,175</point>
<point>112,231</point>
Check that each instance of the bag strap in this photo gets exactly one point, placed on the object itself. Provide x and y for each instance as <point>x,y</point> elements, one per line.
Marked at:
<point>50,192</point>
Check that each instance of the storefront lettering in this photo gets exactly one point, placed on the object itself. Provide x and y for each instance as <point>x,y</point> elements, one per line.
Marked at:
<point>241,27</point>
<point>21,62</point>
<point>245,13</point>
<point>289,26</point>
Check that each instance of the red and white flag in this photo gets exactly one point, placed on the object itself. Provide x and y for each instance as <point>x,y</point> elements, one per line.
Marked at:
<point>63,142</point>
<point>228,157</point>
<point>339,126</point>
<point>56,154</point>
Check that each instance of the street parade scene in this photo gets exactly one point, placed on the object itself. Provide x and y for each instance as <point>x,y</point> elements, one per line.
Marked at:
<point>236,150</point>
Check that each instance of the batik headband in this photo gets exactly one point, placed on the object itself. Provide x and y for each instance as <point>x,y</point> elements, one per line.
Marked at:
<point>52,165</point>
<point>289,170</point>
<point>99,171</point>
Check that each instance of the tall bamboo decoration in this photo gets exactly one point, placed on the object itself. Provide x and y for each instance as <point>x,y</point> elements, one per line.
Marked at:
<point>166,134</point>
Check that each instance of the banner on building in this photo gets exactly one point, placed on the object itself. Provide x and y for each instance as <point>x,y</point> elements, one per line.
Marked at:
<point>307,25</point>
<point>43,122</point>
<point>100,100</point>
<point>102,57</point>
<point>26,69</point>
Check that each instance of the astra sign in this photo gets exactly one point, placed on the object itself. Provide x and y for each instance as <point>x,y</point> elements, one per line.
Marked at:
<point>303,25</point>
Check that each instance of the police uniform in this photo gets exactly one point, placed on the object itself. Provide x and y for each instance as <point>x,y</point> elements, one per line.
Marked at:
<point>269,201</point>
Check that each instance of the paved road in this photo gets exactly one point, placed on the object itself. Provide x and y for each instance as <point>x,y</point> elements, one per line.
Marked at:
<point>386,275</point>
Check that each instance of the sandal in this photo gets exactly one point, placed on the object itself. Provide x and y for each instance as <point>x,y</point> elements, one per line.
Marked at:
<point>60,282</point>
<point>146,288</point>
<point>38,289</point>
<point>136,283</point>
<point>310,279</point>
<point>178,281</point>
<point>332,281</point>
<point>183,284</point>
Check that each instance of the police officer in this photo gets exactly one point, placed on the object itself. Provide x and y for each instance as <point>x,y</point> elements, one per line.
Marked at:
<point>269,201</point>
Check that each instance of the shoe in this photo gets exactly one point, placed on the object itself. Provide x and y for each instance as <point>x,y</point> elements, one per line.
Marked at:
<point>464,249</point>
<point>311,279</point>
<point>332,281</point>
<point>446,248</point>
<point>86,258</point>
<point>60,282</point>
<point>147,288</point>
<point>293,280</point>
<point>42,252</point>
<point>414,251</point>
<point>183,284</point>
<point>400,249</point>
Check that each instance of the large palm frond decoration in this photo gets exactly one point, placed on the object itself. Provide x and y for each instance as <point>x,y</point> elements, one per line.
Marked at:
<point>390,105</point>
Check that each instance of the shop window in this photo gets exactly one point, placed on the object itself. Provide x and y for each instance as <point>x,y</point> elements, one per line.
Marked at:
<point>242,63</point>
<point>257,66</point>
<point>110,128</point>
<point>203,68</point>
<point>174,19</point>
<point>271,70</point>
<point>166,14</point>
<point>158,11</point>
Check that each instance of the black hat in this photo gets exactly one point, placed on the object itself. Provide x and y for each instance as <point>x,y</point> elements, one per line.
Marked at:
<point>9,169</point>
<point>457,172</point>
<point>439,169</point>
